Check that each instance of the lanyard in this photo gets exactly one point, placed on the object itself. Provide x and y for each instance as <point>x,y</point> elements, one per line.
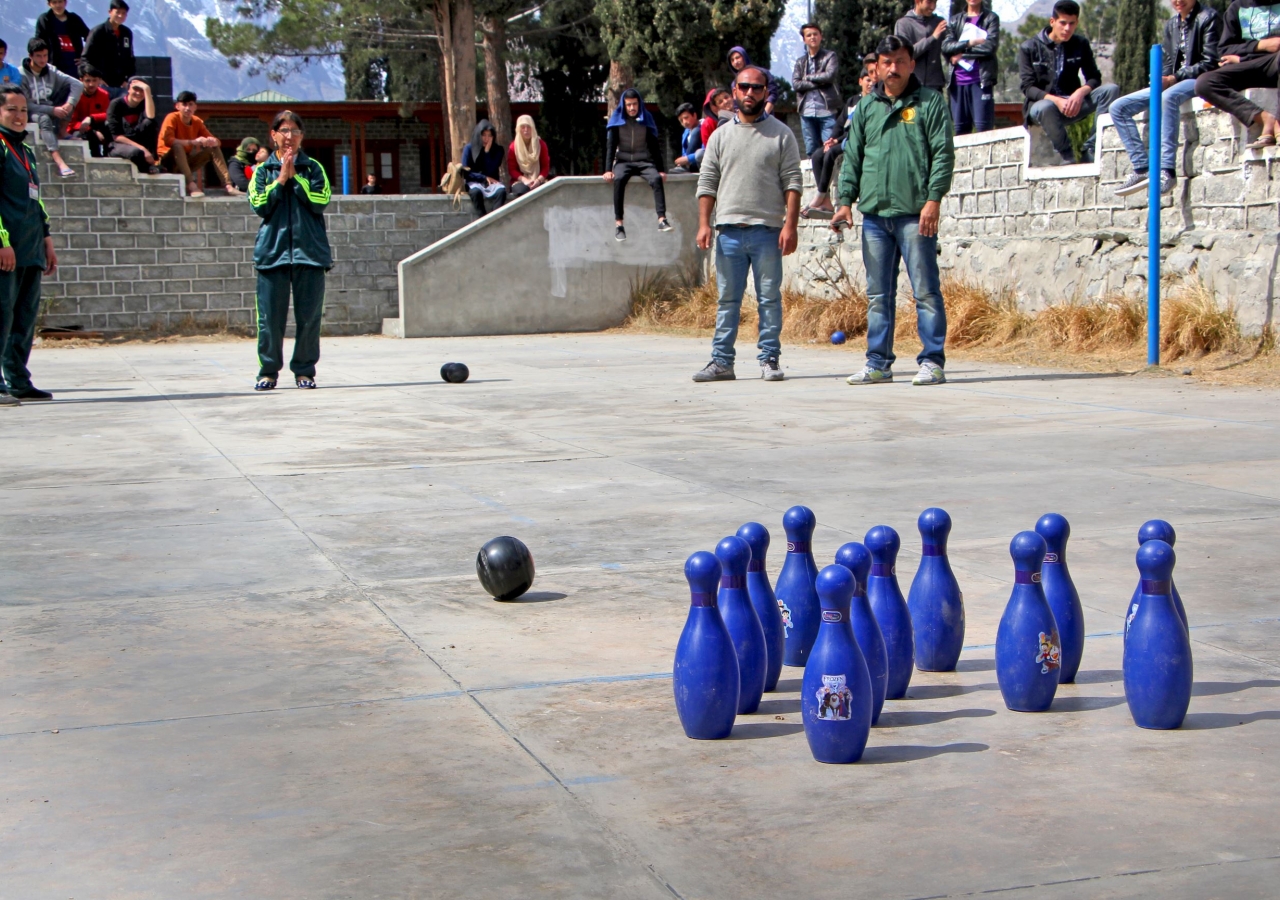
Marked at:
<point>21,156</point>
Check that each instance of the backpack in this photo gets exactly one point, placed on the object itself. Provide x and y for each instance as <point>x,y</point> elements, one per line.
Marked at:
<point>453,183</point>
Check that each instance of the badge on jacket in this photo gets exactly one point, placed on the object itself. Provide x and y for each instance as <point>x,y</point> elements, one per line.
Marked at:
<point>909,114</point>
<point>33,190</point>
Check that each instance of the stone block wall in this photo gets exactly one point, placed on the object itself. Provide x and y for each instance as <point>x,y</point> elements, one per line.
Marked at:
<point>1061,234</point>
<point>135,254</point>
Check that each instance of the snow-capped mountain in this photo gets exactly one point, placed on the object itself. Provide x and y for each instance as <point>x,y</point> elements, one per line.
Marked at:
<point>175,28</point>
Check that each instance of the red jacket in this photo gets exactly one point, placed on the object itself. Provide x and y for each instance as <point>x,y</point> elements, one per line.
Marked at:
<point>544,161</point>
<point>92,106</point>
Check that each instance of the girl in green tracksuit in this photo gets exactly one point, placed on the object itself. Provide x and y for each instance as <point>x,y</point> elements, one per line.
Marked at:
<point>290,191</point>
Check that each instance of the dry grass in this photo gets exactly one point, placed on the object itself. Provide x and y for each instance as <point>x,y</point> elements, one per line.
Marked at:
<point>1114,321</point>
<point>1193,323</point>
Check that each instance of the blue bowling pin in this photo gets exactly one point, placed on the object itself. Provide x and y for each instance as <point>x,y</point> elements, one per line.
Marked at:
<point>1157,657</point>
<point>1154,530</point>
<point>836,690</point>
<point>890,608</point>
<point>741,620</point>
<point>935,601</point>
<point>1060,592</point>
<point>1028,653</point>
<point>855,557</point>
<point>797,599</point>
<point>765,602</point>
<point>706,669</point>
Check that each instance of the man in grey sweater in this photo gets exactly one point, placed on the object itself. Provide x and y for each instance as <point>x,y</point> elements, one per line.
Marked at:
<point>923,29</point>
<point>750,184</point>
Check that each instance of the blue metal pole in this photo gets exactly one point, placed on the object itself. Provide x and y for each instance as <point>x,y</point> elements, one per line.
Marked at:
<point>1153,208</point>
<point>346,174</point>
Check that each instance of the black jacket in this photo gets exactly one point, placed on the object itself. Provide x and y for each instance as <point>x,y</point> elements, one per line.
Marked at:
<point>823,78</point>
<point>1204,32</point>
<point>24,224</point>
<point>128,121</point>
<point>1042,73</point>
<point>1246,22</point>
<point>477,165</point>
<point>985,52</point>
<point>63,55</point>
<point>111,53</point>
<point>632,143</point>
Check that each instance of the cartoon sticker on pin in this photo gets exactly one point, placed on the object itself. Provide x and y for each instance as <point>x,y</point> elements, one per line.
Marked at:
<point>835,700</point>
<point>1133,611</point>
<point>1050,656</point>
<point>786,617</point>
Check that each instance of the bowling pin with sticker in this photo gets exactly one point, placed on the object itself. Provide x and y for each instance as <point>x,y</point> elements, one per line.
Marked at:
<point>1060,592</point>
<point>765,601</point>
<point>1157,657</point>
<point>1154,530</point>
<point>797,598</point>
<point>855,557</point>
<point>1028,652</point>
<point>836,689</point>
<point>706,677</point>
<point>890,608</point>
<point>935,601</point>
<point>741,620</point>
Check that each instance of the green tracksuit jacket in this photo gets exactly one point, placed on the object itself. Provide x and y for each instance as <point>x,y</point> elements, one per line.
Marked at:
<point>899,154</point>
<point>292,231</point>
<point>24,224</point>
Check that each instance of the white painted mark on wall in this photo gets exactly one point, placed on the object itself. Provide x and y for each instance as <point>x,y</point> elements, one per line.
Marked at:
<point>581,236</point>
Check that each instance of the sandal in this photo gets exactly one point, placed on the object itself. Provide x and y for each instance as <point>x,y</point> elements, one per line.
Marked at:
<point>1264,140</point>
<point>265,384</point>
<point>306,382</point>
<point>66,172</point>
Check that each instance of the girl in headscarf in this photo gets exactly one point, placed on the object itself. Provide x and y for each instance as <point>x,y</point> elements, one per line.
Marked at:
<point>528,161</point>
<point>718,102</point>
<point>241,164</point>
<point>631,149</point>
<point>482,167</point>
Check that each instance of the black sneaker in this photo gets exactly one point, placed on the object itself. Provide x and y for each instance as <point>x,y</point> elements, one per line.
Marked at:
<point>620,233</point>
<point>664,225</point>
<point>714,371</point>
<point>31,393</point>
<point>770,370</point>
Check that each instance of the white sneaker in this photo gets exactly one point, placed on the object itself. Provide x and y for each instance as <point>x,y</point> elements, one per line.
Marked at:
<point>770,370</point>
<point>930,373</point>
<point>871,375</point>
<point>7,399</point>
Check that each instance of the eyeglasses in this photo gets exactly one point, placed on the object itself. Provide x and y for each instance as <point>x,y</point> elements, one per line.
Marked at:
<point>748,87</point>
<point>289,132</point>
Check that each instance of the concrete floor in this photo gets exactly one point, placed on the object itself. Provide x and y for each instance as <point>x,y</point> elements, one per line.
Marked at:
<point>245,654</point>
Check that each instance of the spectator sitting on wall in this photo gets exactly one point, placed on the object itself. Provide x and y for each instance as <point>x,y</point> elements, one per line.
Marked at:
<point>9,74</point>
<point>89,121</point>
<point>51,99</point>
<point>826,157</point>
<point>528,159</point>
<point>240,165</point>
<point>971,44</point>
<point>631,149</point>
<point>370,185</point>
<point>26,253</point>
<point>738,60</point>
<point>814,80</point>
<point>719,103</point>
<point>131,119</point>
<point>924,29</point>
<point>898,162</point>
<point>482,168</point>
<point>1050,65</point>
<point>186,146</point>
<point>64,32</point>
<point>690,140</point>
<point>109,48</point>
<point>1190,41</point>
<point>1250,51</point>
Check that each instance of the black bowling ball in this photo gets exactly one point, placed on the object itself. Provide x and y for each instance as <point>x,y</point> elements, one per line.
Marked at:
<point>455,373</point>
<point>505,568</point>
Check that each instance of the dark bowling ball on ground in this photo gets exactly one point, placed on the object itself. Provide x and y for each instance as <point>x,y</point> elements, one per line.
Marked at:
<point>505,567</point>
<point>454,373</point>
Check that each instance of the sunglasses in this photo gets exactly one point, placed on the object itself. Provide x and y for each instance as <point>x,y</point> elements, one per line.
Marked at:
<point>749,86</point>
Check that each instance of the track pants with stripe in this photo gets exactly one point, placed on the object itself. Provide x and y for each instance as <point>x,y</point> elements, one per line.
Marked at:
<point>306,283</point>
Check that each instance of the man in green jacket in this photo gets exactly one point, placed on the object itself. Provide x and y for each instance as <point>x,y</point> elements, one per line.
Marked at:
<point>897,166</point>
<point>26,250</point>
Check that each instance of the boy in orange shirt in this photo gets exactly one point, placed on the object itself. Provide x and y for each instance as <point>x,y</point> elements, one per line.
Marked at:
<point>89,121</point>
<point>186,145</point>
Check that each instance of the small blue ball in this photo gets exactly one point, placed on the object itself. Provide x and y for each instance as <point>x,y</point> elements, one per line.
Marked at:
<point>837,337</point>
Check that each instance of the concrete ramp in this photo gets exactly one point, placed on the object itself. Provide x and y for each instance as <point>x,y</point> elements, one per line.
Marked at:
<point>546,262</point>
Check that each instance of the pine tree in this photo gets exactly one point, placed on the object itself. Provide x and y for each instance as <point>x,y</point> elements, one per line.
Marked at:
<point>1135,33</point>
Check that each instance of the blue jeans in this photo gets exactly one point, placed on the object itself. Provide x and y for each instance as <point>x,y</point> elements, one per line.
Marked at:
<point>1046,114</point>
<point>1128,106</point>
<point>884,242</point>
<point>816,130</point>
<point>737,248</point>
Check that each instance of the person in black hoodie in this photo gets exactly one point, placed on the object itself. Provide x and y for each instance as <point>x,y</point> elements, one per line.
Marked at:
<point>64,32</point>
<point>482,161</point>
<point>1050,66</point>
<point>631,149</point>
<point>1250,51</point>
<point>972,43</point>
<point>109,48</point>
